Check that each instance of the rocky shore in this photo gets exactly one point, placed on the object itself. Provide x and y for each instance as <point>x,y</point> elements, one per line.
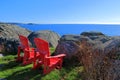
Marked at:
<point>98,53</point>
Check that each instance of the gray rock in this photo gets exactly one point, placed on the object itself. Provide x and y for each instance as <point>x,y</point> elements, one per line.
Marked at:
<point>47,35</point>
<point>70,38</point>
<point>70,48</point>
<point>10,31</point>
<point>92,33</point>
<point>9,38</point>
<point>99,54</point>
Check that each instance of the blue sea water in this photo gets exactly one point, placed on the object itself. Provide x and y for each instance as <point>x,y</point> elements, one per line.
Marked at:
<point>108,29</point>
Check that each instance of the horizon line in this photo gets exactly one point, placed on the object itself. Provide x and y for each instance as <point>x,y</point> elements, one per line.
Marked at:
<point>102,23</point>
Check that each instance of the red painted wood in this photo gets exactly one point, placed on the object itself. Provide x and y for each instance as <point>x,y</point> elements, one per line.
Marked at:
<point>28,53</point>
<point>49,62</point>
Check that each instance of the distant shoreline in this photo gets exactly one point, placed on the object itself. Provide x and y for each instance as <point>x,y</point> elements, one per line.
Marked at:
<point>108,29</point>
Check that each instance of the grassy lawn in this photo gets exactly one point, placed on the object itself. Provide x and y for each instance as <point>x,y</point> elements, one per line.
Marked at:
<point>11,70</point>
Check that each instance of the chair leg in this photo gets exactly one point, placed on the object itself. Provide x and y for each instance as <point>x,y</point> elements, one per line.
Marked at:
<point>18,54</point>
<point>46,70</point>
<point>59,66</point>
<point>25,59</point>
<point>34,64</point>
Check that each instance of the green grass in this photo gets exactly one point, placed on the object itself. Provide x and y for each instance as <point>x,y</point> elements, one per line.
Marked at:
<point>12,70</point>
<point>52,49</point>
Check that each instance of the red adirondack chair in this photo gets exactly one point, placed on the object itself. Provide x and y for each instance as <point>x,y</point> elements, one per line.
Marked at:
<point>49,62</point>
<point>28,53</point>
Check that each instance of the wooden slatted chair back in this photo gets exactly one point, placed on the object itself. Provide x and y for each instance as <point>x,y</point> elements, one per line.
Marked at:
<point>24,41</point>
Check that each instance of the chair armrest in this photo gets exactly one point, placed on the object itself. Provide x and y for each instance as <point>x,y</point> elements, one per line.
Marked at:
<point>57,56</point>
<point>30,49</point>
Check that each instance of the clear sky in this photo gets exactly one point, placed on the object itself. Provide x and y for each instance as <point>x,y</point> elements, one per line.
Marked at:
<point>60,11</point>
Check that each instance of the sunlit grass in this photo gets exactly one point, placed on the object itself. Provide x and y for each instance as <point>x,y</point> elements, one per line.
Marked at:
<point>11,70</point>
<point>52,49</point>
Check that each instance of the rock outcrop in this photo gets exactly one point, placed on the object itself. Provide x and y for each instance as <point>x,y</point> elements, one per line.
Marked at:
<point>9,39</point>
<point>11,31</point>
<point>47,35</point>
<point>68,45</point>
<point>99,54</point>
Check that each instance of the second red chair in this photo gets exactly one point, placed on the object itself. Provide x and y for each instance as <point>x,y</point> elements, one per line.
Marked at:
<point>49,62</point>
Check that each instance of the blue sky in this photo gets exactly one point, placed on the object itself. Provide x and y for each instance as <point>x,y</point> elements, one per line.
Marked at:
<point>60,11</point>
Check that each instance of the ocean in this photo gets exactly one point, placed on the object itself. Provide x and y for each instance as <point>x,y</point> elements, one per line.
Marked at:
<point>75,29</point>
